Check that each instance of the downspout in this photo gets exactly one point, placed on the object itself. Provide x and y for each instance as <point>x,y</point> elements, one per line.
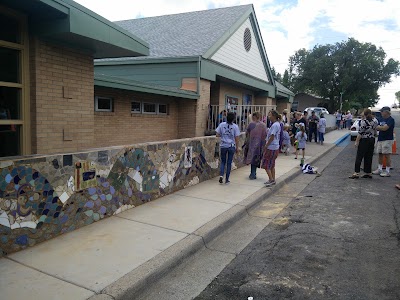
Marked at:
<point>198,74</point>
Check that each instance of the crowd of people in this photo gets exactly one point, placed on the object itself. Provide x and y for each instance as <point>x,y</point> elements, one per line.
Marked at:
<point>343,120</point>
<point>266,137</point>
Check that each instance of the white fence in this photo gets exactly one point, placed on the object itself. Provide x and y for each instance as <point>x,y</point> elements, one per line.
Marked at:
<point>217,114</point>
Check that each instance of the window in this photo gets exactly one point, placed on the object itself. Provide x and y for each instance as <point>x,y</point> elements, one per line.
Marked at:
<point>136,107</point>
<point>14,79</point>
<point>162,109</point>
<point>103,104</point>
<point>149,108</point>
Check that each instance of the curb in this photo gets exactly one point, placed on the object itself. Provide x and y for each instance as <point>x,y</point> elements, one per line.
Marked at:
<point>153,270</point>
<point>341,139</point>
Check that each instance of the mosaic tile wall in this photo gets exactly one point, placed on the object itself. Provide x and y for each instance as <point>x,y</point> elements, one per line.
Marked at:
<point>41,198</point>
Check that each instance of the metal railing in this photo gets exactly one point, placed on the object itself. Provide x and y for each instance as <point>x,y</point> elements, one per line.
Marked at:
<point>217,115</point>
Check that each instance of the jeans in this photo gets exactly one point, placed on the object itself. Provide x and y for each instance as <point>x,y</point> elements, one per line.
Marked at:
<point>348,123</point>
<point>321,137</point>
<point>226,159</point>
<point>253,172</point>
<point>310,134</point>
<point>365,151</point>
<point>338,124</point>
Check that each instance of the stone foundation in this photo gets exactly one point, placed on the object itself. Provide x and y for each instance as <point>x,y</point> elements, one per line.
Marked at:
<point>46,196</point>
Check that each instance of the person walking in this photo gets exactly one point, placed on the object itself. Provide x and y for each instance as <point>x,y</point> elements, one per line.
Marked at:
<point>271,148</point>
<point>321,129</point>
<point>229,134</point>
<point>338,116</point>
<point>312,125</point>
<point>365,144</point>
<point>385,141</point>
<point>301,137</point>
<point>255,141</point>
<point>349,120</point>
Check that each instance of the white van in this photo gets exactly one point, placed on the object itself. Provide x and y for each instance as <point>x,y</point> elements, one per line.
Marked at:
<point>318,110</point>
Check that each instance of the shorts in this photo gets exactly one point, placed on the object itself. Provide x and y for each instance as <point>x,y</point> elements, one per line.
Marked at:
<point>301,148</point>
<point>270,156</point>
<point>384,147</point>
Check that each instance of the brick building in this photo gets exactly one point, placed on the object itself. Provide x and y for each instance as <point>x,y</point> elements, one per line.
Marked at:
<point>153,79</point>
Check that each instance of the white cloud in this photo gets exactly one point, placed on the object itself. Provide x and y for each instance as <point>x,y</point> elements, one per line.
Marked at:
<point>287,26</point>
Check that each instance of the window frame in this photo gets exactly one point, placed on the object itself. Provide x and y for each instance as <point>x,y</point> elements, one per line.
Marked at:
<point>140,106</point>
<point>166,109</point>
<point>96,104</point>
<point>150,113</point>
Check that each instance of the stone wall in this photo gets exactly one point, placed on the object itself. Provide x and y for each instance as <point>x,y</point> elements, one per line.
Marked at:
<point>46,196</point>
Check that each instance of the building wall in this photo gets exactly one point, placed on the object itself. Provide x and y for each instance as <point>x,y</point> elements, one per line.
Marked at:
<point>234,54</point>
<point>281,105</point>
<point>233,91</point>
<point>66,192</point>
<point>61,98</point>
<point>121,127</point>
<point>202,108</point>
<point>305,101</point>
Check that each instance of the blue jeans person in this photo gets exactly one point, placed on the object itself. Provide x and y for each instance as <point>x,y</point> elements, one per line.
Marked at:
<point>226,159</point>
<point>321,137</point>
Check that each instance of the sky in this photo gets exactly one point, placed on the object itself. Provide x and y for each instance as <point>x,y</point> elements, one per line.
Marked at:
<point>289,25</point>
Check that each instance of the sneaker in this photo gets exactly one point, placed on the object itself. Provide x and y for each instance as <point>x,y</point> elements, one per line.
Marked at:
<point>270,183</point>
<point>377,172</point>
<point>227,182</point>
<point>385,174</point>
<point>221,179</point>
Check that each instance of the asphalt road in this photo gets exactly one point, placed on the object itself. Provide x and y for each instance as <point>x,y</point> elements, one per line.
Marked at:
<point>340,239</point>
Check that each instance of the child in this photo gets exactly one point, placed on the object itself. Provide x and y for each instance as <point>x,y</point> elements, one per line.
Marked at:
<point>286,140</point>
<point>301,138</point>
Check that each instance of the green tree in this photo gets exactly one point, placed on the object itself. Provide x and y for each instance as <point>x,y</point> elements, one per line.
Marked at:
<point>397,94</point>
<point>277,76</point>
<point>355,69</point>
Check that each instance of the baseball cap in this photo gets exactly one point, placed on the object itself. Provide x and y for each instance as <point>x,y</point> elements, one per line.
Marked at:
<point>385,108</point>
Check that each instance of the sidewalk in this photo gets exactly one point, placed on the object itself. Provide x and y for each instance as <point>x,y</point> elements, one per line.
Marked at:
<point>143,241</point>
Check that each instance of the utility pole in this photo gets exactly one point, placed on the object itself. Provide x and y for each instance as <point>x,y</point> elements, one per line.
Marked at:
<point>341,98</point>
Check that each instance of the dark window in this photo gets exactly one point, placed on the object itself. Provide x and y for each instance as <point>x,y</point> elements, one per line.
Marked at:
<point>247,39</point>
<point>149,108</point>
<point>10,30</point>
<point>9,65</point>
<point>10,137</point>
<point>136,107</point>
<point>103,104</point>
<point>10,103</point>
<point>162,109</point>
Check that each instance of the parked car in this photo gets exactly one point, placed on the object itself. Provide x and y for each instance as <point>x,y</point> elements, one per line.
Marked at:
<point>354,129</point>
<point>318,110</point>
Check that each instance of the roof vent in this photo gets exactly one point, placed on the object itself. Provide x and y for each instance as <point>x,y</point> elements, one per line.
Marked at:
<point>247,39</point>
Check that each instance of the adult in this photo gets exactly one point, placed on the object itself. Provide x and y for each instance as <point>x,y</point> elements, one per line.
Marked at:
<point>349,120</point>
<point>365,144</point>
<point>312,127</point>
<point>338,116</point>
<point>385,141</point>
<point>297,120</point>
<point>255,141</point>
<point>305,118</point>
<point>281,132</point>
<point>285,118</point>
<point>229,134</point>
<point>271,148</point>
<point>321,128</point>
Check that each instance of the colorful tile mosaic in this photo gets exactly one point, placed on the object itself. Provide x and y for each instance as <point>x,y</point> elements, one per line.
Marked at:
<point>44,197</point>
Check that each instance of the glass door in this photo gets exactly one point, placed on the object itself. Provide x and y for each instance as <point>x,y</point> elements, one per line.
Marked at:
<point>14,99</point>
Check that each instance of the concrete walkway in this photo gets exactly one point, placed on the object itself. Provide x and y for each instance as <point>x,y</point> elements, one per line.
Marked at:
<point>142,241</point>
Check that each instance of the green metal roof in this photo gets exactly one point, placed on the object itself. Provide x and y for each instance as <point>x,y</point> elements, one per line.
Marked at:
<point>137,86</point>
<point>67,22</point>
